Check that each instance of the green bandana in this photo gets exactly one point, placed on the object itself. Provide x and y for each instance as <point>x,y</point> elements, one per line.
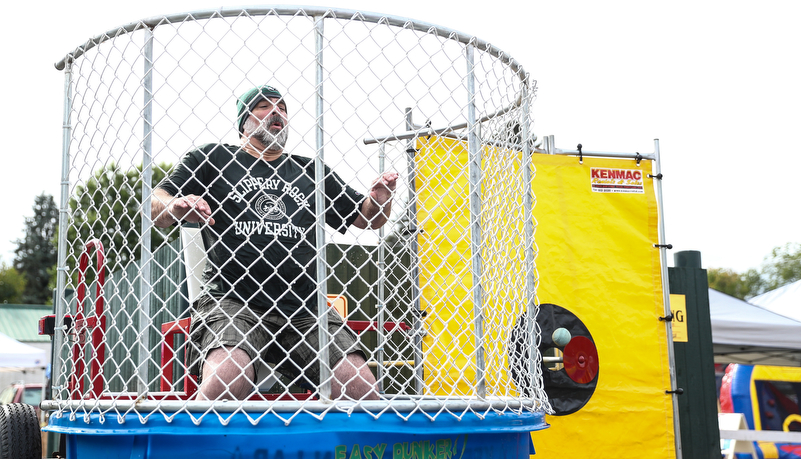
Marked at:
<point>247,102</point>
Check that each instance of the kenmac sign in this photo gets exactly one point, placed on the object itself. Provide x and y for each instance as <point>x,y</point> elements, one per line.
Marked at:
<point>604,180</point>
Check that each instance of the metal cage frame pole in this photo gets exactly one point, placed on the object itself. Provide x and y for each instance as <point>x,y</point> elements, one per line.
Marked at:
<point>414,271</point>
<point>666,297</point>
<point>528,229</point>
<point>60,303</point>
<point>549,147</point>
<point>315,12</point>
<point>382,278</point>
<point>145,317</point>
<point>319,201</point>
<point>474,166</point>
<point>411,404</point>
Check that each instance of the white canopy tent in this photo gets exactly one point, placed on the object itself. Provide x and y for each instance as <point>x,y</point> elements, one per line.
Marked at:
<point>784,300</point>
<point>15,356</point>
<point>746,333</point>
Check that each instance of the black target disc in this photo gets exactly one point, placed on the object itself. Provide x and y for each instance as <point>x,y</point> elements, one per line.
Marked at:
<point>565,394</point>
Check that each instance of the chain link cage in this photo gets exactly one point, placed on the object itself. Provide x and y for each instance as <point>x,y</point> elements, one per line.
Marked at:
<point>441,299</point>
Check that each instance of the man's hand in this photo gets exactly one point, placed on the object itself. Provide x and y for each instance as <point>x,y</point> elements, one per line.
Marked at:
<point>191,208</point>
<point>166,209</point>
<point>376,208</point>
<point>382,188</point>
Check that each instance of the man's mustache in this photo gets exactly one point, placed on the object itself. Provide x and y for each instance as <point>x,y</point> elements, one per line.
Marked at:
<point>273,119</point>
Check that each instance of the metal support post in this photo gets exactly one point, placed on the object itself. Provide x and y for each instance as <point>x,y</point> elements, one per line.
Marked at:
<point>474,166</point>
<point>528,227</point>
<point>666,296</point>
<point>382,279</point>
<point>60,301</point>
<point>145,314</point>
<point>319,209</point>
<point>413,256</point>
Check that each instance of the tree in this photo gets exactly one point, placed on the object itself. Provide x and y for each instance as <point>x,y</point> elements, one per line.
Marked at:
<point>12,284</point>
<point>781,267</point>
<point>36,253</point>
<point>742,286</point>
<point>108,207</point>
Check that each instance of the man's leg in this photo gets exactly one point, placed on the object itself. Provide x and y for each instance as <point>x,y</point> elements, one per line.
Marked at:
<point>227,374</point>
<point>353,379</point>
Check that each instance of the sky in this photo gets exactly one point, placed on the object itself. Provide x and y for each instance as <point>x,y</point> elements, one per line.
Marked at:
<point>717,82</point>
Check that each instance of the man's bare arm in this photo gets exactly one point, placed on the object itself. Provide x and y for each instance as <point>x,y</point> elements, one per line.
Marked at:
<point>376,208</point>
<point>166,209</point>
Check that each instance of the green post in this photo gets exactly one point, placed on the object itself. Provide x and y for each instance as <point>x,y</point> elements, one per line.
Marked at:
<point>695,366</point>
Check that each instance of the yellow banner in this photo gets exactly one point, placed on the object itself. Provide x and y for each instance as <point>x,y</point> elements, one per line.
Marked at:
<point>596,230</point>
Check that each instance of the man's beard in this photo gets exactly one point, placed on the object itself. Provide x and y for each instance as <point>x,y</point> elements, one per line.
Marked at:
<point>272,141</point>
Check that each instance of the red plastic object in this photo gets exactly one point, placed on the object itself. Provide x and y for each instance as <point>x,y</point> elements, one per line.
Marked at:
<point>47,324</point>
<point>726,403</point>
<point>88,324</point>
<point>581,359</point>
<point>170,330</point>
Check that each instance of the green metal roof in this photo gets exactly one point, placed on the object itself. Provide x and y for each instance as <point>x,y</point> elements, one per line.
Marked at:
<point>21,321</point>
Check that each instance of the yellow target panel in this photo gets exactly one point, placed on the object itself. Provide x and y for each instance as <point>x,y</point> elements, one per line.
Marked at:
<point>596,230</point>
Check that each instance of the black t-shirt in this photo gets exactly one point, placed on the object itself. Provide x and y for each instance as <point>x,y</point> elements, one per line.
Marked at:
<point>262,244</point>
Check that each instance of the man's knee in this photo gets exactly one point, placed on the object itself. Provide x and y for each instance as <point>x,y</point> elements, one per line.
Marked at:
<point>354,379</point>
<point>360,364</point>
<point>229,359</point>
<point>227,370</point>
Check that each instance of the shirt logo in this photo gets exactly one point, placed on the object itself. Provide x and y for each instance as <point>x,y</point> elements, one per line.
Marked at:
<point>270,207</point>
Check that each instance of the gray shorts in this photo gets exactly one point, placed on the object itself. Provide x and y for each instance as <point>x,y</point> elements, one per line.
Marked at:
<point>291,345</point>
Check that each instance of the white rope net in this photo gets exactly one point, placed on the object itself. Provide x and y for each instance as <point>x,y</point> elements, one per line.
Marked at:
<point>441,300</point>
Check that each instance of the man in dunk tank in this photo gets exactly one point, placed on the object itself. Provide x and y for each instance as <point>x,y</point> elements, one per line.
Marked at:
<point>256,206</point>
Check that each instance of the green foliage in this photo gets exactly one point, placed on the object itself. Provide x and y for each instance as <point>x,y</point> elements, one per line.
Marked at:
<point>12,284</point>
<point>108,207</point>
<point>781,267</point>
<point>742,286</point>
<point>36,252</point>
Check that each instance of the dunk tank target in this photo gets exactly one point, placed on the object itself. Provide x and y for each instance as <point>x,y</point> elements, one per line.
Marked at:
<point>431,297</point>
